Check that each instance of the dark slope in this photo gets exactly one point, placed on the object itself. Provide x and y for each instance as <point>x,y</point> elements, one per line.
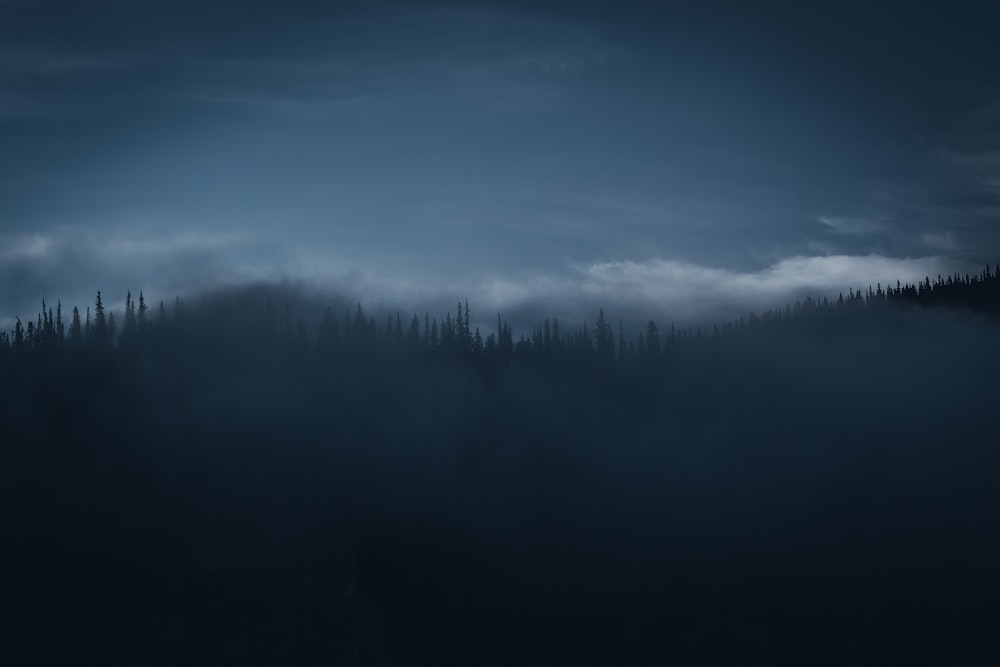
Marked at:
<point>814,488</point>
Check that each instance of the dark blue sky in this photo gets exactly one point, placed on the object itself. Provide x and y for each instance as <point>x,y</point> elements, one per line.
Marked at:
<point>550,154</point>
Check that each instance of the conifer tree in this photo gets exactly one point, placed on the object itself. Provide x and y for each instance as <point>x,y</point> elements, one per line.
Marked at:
<point>18,334</point>
<point>413,336</point>
<point>143,323</point>
<point>621,340</point>
<point>358,333</point>
<point>605,340</point>
<point>75,334</point>
<point>329,331</point>
<point>465,341</point>
<point>652,340</point>
<point>130,319</point>
<point>100,321</point>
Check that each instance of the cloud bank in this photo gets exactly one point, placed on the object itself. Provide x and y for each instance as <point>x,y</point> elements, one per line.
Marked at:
<point>189,261</point>
<point>688,293</point>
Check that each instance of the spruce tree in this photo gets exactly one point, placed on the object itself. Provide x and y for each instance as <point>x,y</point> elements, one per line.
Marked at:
<point>18,334</point>
<point>143,323</point>
<point>413,336</point>
<point>652,340</point>
<point>75,334</point>
<point>100,321</point>
<point>604,338</point>
<point>130,320</point>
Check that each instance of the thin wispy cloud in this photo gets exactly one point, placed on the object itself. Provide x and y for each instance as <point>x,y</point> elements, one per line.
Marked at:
<point>853,225</point>
<point>943,241</point>
<point>53,60</point>
<point>698,290</point>
<point>24,247</point>
<point>499,60</point>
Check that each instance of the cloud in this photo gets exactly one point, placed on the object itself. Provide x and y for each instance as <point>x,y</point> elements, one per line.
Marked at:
<point>161,245</point>
<point>661,289</point>
<point>25,247</point>
<point>698,291</point>
<point>49,59</point>
<point>184,261</point>
<point>940,241</point>
<point>141,245</point>
<point>852,225</point>
<point>70,263</point>
<point>497,59</point>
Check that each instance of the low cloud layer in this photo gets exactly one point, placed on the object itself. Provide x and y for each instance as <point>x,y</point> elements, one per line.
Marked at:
<point>186,262</point>
<point>687,293</point>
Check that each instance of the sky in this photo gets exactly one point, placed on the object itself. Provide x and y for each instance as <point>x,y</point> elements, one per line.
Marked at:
<point>681,160</point>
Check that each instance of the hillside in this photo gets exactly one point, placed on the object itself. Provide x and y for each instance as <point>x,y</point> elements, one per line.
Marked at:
<point>218,482</point>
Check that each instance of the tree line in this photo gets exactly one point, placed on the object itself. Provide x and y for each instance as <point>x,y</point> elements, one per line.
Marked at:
<point>355,332</point>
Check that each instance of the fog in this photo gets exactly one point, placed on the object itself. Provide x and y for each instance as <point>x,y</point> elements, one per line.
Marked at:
<point>189,264</point>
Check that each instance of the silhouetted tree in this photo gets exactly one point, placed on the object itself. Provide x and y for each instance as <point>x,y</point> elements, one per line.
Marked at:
<point>75,334</point>
<point>652,340</point>
<point>413,336</point>
<point>18,334</point>
<point>604,339</point>
<point>143,319</point>
<point>101,333</point>
<point>131,326</point>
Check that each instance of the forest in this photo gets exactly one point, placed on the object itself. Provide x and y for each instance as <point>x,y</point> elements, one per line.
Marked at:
<point>230,479</point>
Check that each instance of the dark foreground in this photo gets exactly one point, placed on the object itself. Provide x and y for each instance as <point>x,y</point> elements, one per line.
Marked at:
<point>827,496</point>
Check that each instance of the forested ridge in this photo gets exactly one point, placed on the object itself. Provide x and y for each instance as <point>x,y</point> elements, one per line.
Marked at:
<point>234,479</point>
<point>270,325</point>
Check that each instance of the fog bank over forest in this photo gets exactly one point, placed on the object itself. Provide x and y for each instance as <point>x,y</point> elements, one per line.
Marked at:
<point>503,333</point>
<point>669,291</point>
